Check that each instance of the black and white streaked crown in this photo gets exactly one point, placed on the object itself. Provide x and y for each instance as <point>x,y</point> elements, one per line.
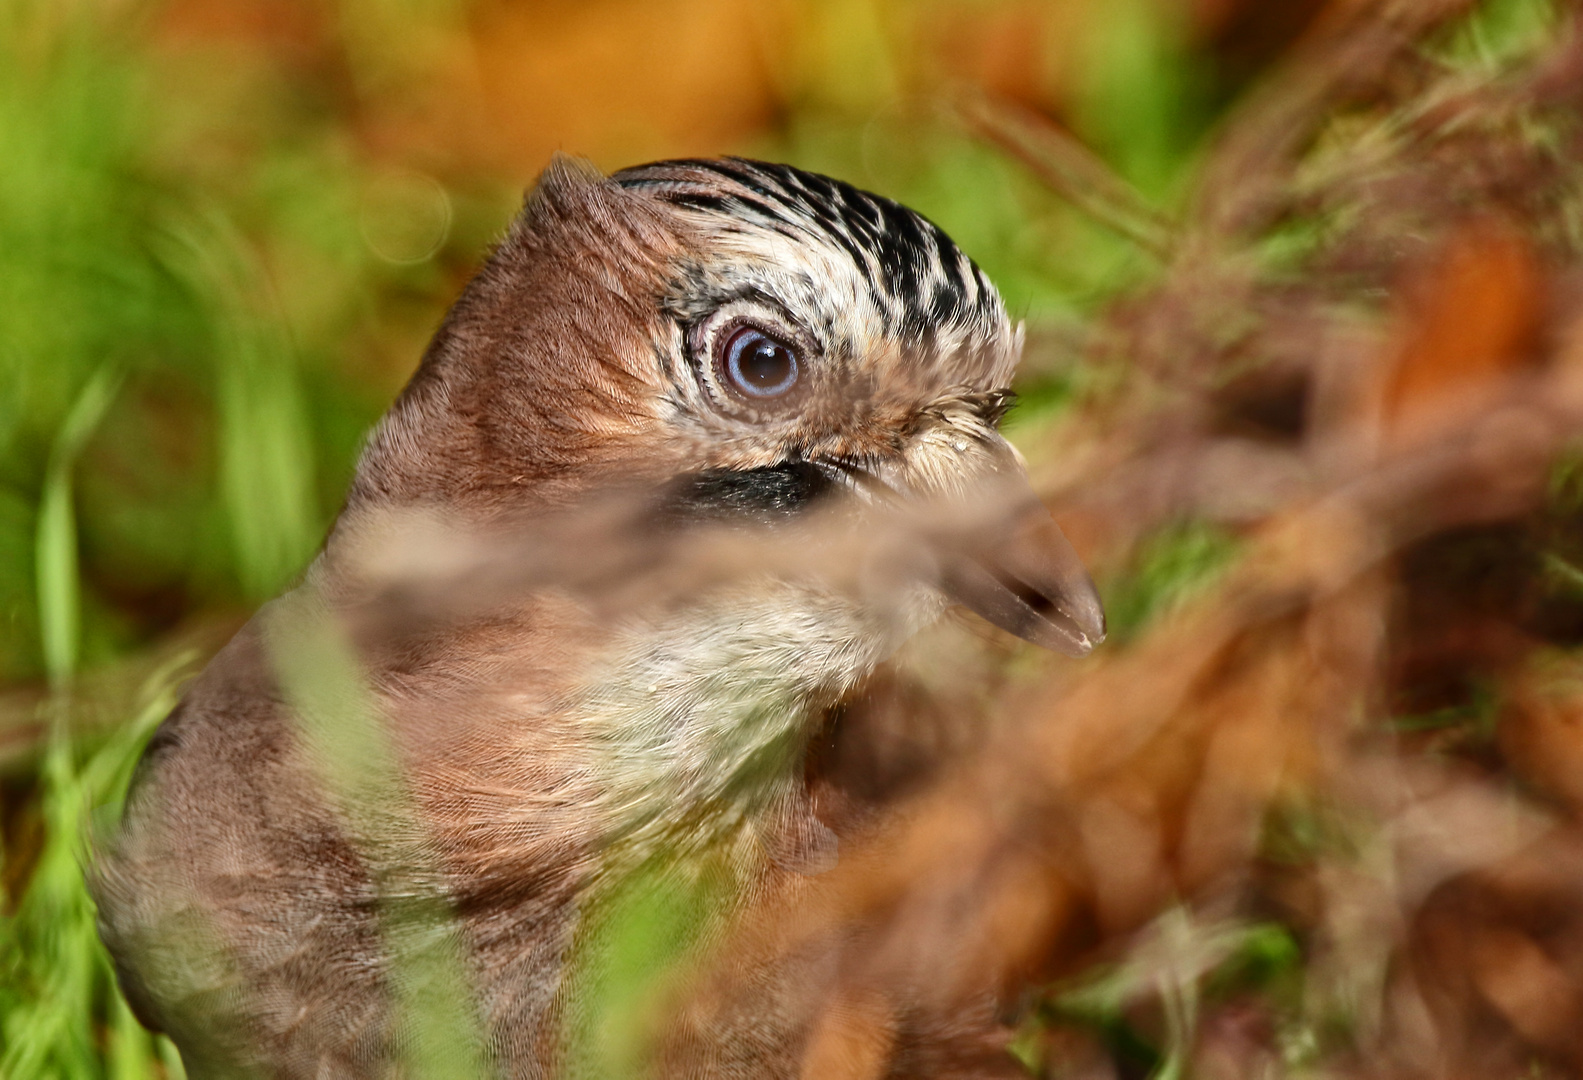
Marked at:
<point>917,276</point>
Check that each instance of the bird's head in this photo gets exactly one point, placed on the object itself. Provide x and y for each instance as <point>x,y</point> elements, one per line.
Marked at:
<point>750,340</point>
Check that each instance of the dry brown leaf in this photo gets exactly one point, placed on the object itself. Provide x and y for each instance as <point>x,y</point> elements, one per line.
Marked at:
<point>1471,319</point>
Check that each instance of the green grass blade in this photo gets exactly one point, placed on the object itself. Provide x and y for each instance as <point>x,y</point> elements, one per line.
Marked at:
<point>55,549</point>
<point>359,767</point>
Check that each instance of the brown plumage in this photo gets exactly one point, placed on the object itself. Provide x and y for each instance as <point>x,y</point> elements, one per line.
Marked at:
<point>600,567</point>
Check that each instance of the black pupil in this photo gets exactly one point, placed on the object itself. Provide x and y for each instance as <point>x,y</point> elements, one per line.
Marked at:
<point>766,364</point>
<point>762,366</point>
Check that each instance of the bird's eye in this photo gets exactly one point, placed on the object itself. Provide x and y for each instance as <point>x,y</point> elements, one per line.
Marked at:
<point>758,365</point>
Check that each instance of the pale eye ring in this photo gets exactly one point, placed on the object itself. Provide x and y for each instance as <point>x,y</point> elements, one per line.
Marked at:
<point>758,365</point>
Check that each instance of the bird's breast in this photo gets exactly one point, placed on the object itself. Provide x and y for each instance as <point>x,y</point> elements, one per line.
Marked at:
<point>696,718</point>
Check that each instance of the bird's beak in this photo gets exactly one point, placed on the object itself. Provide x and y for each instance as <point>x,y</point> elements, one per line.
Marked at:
<point>1021,574</point>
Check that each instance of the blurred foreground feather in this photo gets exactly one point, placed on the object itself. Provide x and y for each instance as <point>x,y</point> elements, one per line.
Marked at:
<point>1365,357</point>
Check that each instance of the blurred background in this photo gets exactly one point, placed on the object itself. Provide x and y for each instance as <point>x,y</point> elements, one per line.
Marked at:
<point>1269,254</point>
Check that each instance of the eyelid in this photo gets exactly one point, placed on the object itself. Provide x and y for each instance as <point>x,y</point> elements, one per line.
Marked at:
<point>755,307</point>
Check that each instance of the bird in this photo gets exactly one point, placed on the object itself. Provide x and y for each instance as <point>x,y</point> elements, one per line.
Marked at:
<point>685,355</point>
